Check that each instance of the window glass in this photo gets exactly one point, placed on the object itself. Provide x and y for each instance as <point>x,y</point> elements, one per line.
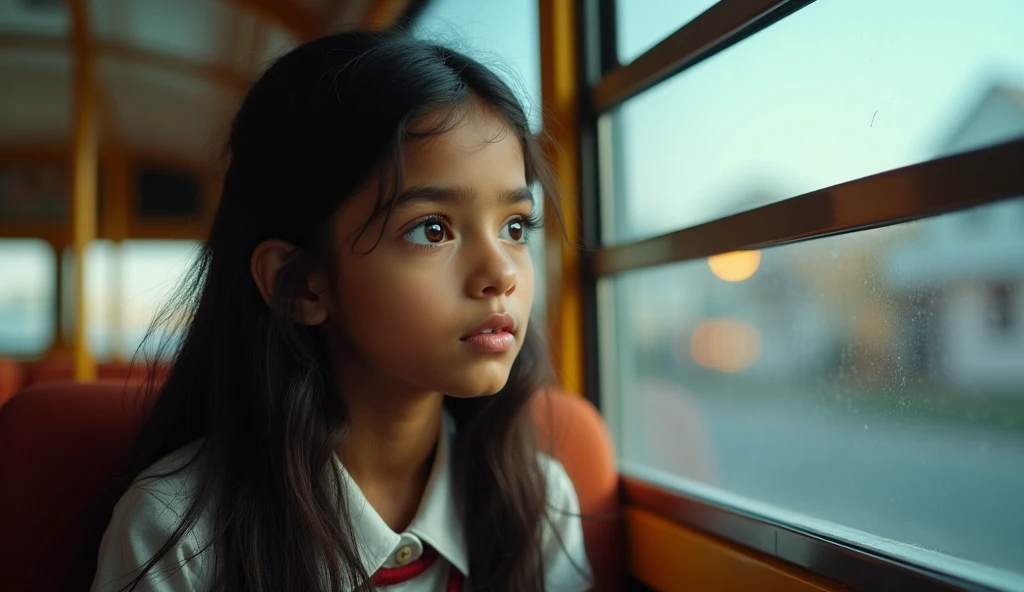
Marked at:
<point>100,298</point>
<point>868,386</point>
<point>834,92</point>
<point>642,24</point>
<point>100,301</point>
<point>28,273</point>
<point>151,271</point>
<point>125,286</point>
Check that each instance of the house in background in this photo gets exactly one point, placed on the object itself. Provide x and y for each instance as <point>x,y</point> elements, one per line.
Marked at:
<point>962,278</point>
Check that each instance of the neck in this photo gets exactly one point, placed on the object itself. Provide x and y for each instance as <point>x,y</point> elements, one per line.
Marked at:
<point>389,450</point>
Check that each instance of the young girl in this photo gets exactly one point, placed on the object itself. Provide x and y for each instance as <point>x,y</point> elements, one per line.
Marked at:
<point>349,408</point>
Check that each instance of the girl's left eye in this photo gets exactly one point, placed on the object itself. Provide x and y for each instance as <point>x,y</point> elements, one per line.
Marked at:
<point>514,230</point>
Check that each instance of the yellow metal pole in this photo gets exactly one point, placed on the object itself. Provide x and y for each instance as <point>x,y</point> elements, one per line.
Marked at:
<point>560,93</point>
<point>84,175</point>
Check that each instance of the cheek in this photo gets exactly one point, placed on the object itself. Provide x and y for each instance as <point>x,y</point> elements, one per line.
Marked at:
<point>394,309</point>
<point>525,283</point>
<point>406,313</point>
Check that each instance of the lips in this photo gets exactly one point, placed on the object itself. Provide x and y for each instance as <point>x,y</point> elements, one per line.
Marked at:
<point>494,324</point>
<point>493,336</point>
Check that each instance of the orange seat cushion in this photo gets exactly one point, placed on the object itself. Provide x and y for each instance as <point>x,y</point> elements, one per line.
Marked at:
<point>572,430</point>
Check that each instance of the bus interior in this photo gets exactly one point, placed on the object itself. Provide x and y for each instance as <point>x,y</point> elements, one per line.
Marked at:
<point>786,309</point>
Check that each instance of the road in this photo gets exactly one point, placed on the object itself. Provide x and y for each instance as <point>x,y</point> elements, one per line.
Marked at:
<point>956,488</point>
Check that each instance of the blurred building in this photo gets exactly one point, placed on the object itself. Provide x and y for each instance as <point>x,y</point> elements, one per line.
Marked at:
<point>962,278</point>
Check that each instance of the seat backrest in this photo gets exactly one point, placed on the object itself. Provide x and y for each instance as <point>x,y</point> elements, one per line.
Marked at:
<point>60,367</point>
<point>571,430</point>
<point>11,379</point>
<point>61,445</point>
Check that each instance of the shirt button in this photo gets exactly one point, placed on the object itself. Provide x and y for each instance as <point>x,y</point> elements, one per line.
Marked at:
<point>403,555</point>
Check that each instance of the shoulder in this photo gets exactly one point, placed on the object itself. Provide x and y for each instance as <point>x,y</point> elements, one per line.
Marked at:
<point>144,519</point>
<point>560,489</point>
<point>171,480</point>
<point>566,567</point>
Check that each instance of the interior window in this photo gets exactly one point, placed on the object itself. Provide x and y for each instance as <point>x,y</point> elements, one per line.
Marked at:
<point>28,268</point>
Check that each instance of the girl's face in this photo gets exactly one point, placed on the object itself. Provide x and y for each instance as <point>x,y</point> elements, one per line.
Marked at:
<point>442,301</point>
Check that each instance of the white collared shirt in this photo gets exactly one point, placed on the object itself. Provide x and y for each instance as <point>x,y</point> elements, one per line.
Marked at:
<point>151,509</point>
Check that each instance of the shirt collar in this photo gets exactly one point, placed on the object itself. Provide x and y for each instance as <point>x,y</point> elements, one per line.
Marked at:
<point>437,523</point>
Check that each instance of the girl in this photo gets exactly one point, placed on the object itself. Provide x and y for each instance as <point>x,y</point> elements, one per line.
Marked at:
<point>348,409</point>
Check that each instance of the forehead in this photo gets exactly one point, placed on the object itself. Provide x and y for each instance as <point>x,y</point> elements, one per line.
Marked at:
<point>478,146</point>
<point>478,154</point>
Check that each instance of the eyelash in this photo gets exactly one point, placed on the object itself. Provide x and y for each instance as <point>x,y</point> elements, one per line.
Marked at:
<point>531,223</point>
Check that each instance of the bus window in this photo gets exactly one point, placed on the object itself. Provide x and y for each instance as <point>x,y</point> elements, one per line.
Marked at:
<point>151,272</point>
<point>100,297</point>
<point>867,387</point>
<point>126,285</point>
<point>28,268</point>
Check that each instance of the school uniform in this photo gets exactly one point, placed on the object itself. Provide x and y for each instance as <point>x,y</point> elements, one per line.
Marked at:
<point>430,555</point>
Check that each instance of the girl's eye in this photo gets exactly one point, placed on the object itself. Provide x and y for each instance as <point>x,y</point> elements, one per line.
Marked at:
<point>514,230</point>
<point>428,232</point>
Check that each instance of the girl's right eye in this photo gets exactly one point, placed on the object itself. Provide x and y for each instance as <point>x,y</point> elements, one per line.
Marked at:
<point>428,232</point>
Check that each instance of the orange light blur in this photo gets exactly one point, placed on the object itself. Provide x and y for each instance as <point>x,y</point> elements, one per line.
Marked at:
<point>727,345</point>
<point>736,266</point>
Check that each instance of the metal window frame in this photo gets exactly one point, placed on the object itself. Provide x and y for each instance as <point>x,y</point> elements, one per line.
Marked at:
<point>726,23</point>
<point>914,192</point>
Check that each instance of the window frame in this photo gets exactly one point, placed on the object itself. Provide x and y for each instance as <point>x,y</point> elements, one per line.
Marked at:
<point>953,183</point>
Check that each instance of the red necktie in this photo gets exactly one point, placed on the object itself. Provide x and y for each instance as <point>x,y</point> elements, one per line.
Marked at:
<point>389,576</point>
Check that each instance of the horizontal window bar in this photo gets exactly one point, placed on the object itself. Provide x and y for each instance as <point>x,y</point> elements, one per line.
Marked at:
<point>722,25</point>
<point>859,569</point>
<point>917,191</point>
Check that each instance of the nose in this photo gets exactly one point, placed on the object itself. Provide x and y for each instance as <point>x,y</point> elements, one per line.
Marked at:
<point>493,273</point>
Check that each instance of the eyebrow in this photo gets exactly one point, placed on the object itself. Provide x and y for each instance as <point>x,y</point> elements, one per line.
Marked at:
<point>457,195</point>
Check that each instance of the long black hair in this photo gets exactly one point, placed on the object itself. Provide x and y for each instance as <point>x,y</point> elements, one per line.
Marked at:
<point>256,386</point>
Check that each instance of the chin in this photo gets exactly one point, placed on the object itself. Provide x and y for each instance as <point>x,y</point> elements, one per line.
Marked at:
<point>479,384</point>
<point>470,392</point>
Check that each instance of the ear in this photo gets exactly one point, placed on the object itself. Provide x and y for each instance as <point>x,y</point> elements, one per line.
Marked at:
<point>268,261</point>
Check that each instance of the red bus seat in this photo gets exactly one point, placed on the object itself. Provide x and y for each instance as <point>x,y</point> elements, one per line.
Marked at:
<point>61,444</point>
<point>12,378</point>
<point>60,368</point>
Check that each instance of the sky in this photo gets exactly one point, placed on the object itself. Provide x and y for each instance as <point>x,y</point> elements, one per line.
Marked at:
<point>839,90</point>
